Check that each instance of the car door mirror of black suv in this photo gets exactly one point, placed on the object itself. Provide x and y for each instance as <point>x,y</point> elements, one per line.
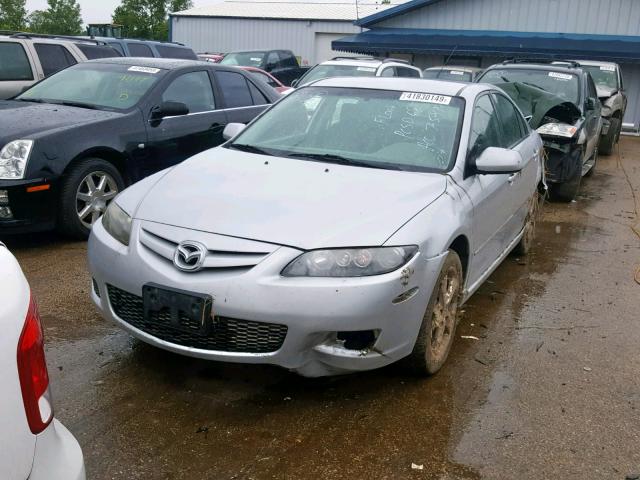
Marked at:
<point>169,109</point>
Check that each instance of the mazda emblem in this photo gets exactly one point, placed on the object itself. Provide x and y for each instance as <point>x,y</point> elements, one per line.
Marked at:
<point>190,256</point>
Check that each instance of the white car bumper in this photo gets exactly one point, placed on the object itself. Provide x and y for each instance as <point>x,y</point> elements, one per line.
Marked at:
<point>57,455</point>
<point>290,322</point>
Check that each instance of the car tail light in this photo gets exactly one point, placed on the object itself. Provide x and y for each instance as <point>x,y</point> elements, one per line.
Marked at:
<point>32,370</point>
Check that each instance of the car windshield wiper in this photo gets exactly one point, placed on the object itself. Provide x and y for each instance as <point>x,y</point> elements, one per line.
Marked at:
<point>68,103</point>
<point>536,86</point>
<point>340,160</point>
<point>249,149</point>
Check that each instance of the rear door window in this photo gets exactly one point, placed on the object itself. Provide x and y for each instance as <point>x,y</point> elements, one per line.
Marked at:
<point>167,51</point>
<point>53,58</point>
<point>15,63</point>
<point>194,90</point>
<point>234,89</point>
<point>407,72</point>
<point>257,95</point>
<point>139,50</point>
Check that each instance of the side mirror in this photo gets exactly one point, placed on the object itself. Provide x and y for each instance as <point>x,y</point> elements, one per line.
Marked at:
<point>295,83</point>
<point>232,129</point>
<point>169,109</point>
<point>528,118</point>
<point>591,103</point>
<point>499,160</point>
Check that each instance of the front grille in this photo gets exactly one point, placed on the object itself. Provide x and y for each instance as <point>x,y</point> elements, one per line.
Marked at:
<point>228,334</point>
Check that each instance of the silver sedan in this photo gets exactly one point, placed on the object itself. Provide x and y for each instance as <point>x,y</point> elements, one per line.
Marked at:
<point>340,231</point>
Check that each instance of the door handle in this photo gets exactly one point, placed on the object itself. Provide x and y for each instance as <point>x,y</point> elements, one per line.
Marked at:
<point>512,177</point>
<point>216,128</point>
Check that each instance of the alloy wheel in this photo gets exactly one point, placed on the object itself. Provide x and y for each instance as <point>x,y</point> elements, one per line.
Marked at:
<point>94,193</point>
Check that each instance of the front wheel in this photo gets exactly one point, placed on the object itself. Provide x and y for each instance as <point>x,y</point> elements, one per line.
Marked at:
<point>529,232</point>
<point>86,191</point>
<point>438,327</point>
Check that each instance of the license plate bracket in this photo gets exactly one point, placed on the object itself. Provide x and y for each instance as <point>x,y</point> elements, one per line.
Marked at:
<point>179,309</point>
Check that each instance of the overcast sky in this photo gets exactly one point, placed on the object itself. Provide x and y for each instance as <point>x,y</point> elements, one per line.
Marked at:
<point>98,11</point>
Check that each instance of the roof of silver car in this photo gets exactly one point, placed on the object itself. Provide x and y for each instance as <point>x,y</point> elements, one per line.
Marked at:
<point>438,87</point>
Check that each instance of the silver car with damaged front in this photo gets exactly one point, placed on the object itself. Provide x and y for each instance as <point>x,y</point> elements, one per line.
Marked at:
<point>341,231</point>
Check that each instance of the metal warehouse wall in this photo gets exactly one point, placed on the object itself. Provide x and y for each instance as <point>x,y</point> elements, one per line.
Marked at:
<point>211,34</point>
<point>614,17</point>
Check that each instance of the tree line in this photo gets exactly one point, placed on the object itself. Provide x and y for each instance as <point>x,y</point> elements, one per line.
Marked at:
<point>146,19</point>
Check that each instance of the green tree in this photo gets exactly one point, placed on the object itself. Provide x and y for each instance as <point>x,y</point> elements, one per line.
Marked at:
<point>62,17</point>
<point>13,14</point>
<point>147,18</point>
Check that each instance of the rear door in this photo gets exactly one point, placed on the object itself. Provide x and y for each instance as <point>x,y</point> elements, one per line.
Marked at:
<point>18,69</point>
<point>491,195</point>
<point>174,139</point>
<point>243,100</point>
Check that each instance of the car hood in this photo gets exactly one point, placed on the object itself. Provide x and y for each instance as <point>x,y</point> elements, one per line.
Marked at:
<point>291,202</point>
<point>540,104</point>
<point>24,120</point>
<point>604,92</point>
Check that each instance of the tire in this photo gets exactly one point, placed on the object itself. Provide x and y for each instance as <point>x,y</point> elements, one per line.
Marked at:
<point>429,354</point>
<point>592,170</point>
<point>526,242</point>
<point>75,195</point>
<point>565,192</point>
<point>611,138</point>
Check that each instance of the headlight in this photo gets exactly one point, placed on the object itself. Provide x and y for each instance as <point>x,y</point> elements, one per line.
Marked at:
<point>13,159</point>
<point>117,222</point>
<point>557,130</point>
<point>351,262</point>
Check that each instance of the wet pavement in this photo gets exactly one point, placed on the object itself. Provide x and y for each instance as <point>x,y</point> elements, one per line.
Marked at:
<point>549,390</point>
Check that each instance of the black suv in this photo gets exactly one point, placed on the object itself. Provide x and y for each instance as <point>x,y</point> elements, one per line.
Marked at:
<point>561,102</point>
<point>71,142</point>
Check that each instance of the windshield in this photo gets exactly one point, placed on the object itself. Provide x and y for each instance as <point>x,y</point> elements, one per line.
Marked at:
<point>448,75</point>
<point>245,59</point>
<point>325,71</point>
<point>603,75</point>
<point>372,128</point>
<point>95,85</point>
<point>564,85</point>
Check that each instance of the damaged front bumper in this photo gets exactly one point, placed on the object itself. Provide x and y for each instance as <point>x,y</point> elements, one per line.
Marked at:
<point>564,159</point>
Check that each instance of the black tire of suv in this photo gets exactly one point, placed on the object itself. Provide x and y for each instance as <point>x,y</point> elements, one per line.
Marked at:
<point>567,191</point>
<point>68,222</point>
<point>611,138</point>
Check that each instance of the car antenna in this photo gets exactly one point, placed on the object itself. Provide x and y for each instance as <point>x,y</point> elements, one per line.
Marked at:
<point>446,62</point>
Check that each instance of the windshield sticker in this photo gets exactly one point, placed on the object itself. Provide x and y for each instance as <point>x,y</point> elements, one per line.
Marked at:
<point>366,69</point>
<point>425,98</point>
<point>608,68</point>
<point>560,76</point>
<point>256,59</point>
<point>144,69</point>
<point>456,72</point>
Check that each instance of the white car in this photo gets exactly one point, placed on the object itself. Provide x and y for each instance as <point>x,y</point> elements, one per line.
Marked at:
<point>34,444</point>
<point>326,242</point>
<point>359,67</point>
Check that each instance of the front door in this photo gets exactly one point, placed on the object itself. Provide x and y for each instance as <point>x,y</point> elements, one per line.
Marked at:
<point>490,194</point>
<point>593,122</point>
<point>174,139</point>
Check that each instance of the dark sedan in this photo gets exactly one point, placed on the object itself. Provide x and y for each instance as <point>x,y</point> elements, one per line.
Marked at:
<point>73,141</point>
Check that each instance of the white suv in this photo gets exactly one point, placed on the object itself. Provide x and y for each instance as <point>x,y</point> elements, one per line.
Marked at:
<point>27,58</point>
<point>359,67</point>
<point>34,444</point>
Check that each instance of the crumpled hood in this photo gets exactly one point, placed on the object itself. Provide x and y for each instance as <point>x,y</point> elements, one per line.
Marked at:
<point>291,202</point>
<point>538,103</point>
<point>19,120</point>
<point>604,92</point>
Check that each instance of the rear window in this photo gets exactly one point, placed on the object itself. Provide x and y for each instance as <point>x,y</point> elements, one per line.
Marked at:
<point>53,58</point>
<point>451,75</point>
<point>14,61</point>
<point>167,51</point>
<point>139,50</point>
<point>97,51</point>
